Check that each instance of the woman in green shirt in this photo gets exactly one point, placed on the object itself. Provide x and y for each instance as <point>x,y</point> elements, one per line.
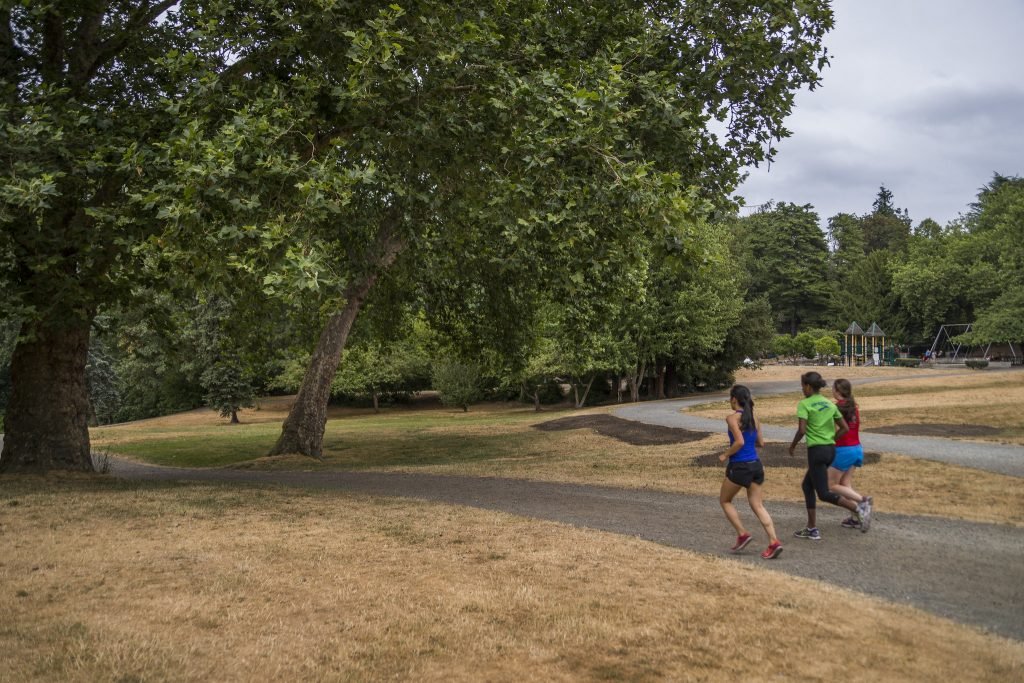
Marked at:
<point>821,421</point>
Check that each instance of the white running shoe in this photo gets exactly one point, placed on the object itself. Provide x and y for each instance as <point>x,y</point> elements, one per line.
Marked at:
<point>864,512</point>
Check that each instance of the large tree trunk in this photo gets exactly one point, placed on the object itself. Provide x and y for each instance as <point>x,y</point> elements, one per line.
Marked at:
<point>671,380</point>
<point>47,421</point>
<point>303,430</point>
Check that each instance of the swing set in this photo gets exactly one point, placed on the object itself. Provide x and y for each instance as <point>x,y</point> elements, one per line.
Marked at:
<point>945,348</point>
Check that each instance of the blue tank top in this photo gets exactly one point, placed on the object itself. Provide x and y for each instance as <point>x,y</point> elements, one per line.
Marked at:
<point>748,452</point>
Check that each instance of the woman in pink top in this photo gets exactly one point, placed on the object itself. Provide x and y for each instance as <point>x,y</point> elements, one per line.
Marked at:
<point>849,454</point>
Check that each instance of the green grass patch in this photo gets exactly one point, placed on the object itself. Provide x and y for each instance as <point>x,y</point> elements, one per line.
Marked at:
<point>213,446</point>
<point>361,442</point>
<point>388,449</point>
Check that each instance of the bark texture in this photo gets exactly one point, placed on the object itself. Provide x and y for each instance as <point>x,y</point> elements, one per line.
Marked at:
<point>47,420</point>
<point>303,430</point>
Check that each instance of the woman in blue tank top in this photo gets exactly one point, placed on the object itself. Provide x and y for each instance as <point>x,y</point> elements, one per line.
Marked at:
<point>745,471</point>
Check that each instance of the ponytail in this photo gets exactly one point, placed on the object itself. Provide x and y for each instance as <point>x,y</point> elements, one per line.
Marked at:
<point>813,380</point>
<point>847,407</point>
<point>746,404</point>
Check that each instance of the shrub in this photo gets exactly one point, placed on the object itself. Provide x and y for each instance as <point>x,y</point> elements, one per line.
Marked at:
<point>803,345</point>
<point>908,362</point>
<point>782,345</point>
<point>976,363</point>
<point>458,384</point>
<point>826,346</point>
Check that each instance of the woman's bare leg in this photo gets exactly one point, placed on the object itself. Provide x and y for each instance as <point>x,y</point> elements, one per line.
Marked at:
<point>839,482</point>
<point>729,491</point>
<point>756,499</point>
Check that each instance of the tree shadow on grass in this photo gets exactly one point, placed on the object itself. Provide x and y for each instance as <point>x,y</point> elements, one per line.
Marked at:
<point>627,431</point>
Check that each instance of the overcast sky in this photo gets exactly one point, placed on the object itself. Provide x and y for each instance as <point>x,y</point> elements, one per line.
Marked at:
<point>923,96</point>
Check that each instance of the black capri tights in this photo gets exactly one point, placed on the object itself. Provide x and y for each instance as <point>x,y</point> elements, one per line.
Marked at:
<point>816,479</point>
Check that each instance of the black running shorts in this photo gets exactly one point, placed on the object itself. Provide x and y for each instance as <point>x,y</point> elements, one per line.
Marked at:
<point>745,473</point>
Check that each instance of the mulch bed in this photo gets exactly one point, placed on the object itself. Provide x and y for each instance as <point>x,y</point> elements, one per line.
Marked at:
<point>943,430</point>
<point>774,455</point>
<point>640,434</point>
<point>628,431</point>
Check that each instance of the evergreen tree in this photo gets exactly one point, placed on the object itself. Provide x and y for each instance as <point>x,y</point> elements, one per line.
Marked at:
<point>886,227</point>
<point>787,260</point>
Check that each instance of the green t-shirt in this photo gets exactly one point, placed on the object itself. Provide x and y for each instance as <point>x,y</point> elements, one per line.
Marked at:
<point>821,415</point>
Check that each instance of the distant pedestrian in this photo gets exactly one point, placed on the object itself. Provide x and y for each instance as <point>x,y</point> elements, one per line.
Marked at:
<point>849,454</point>
<point>820,420</point>
<point>745,471</point>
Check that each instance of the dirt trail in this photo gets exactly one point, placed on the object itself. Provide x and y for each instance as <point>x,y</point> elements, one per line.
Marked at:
<point>969,572</point>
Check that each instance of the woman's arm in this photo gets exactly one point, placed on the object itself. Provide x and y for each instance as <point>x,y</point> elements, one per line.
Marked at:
<point>733,421</point>
<point>800,431</point>
<point>841,426</point>
<point>757,426</point>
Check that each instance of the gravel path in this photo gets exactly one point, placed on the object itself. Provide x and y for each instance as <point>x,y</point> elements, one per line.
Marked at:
<point>993,457</point>
<point>969,572</point>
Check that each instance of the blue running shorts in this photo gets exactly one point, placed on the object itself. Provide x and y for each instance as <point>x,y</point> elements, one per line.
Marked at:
<point>847,457</point>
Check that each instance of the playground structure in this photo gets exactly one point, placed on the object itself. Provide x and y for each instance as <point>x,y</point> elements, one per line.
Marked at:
<point>945,349</point>
<point>867,348</point>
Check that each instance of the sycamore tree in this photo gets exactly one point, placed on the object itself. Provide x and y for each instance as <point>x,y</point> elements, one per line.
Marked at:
<point>511,132</point>
<point>82,89</point>
<point>613,121</point>
<point>321,145</point>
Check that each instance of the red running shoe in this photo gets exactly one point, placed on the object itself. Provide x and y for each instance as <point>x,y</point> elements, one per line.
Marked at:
<point>772,551</point>
<point>741,542</point>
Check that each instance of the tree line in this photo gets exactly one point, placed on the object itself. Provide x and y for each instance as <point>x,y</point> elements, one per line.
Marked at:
<point>880,267</point>
<point>207,199</point>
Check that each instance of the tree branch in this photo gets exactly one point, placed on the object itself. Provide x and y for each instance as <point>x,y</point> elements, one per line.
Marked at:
<point>52,66</point>
<point>102,53</point>
<point>86,45</point>
<point>9,53</point>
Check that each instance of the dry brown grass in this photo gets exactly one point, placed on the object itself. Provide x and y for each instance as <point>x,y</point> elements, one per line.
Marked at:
<point>197,583</point>
<point>793,372</point>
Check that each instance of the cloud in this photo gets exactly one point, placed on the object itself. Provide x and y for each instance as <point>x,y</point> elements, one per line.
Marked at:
<point>956,108</point>
<point>923,96</point>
